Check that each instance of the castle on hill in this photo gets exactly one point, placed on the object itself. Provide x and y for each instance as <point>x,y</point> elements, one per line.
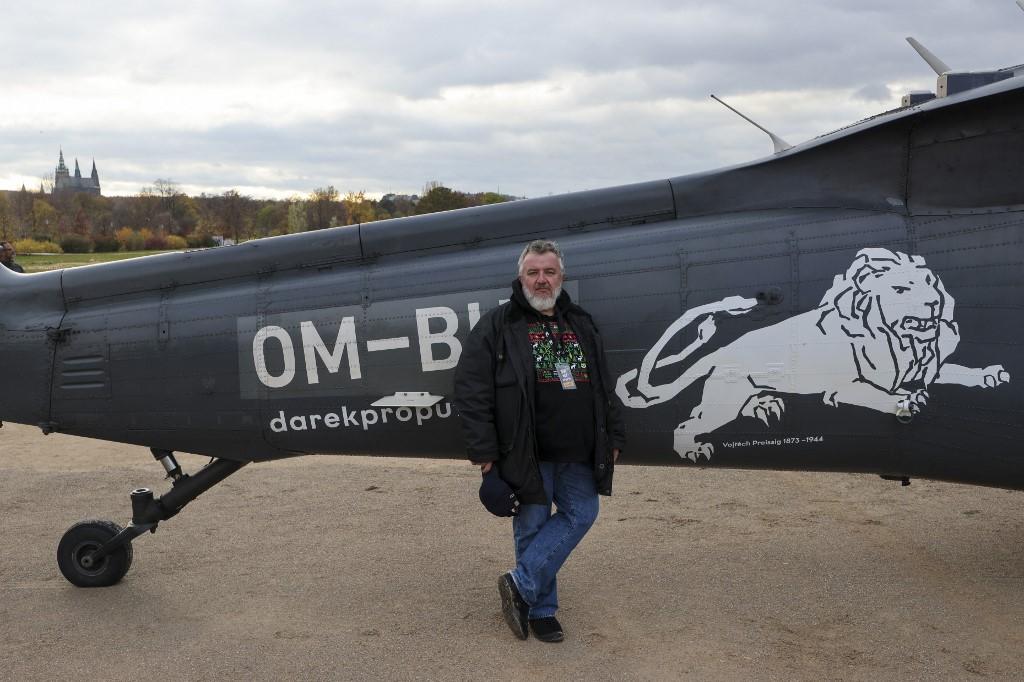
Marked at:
<point>63,181</point>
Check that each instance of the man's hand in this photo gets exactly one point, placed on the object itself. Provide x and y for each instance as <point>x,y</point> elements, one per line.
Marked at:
<point>484,467</point>
<point>615,455</point>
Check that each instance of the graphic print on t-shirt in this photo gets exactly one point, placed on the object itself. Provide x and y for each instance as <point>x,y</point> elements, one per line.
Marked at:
<point>543,337</point>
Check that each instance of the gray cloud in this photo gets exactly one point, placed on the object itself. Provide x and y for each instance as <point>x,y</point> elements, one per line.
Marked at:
<point>876,92</point>
<point>531,96</point>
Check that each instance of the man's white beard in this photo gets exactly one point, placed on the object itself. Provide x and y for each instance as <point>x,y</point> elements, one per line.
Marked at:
<point>542,303</point>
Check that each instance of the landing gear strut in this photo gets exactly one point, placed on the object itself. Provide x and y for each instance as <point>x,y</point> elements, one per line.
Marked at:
<point>98,553</point>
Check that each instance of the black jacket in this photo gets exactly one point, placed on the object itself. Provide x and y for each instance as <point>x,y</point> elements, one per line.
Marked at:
<point>494,386</point>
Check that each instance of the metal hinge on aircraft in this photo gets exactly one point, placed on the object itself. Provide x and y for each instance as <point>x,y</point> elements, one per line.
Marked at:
<point>58,335</point>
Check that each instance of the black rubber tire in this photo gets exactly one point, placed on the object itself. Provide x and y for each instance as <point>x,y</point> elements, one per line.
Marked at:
<point>85,537</point>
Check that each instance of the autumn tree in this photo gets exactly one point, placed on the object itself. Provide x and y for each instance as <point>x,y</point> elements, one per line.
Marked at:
<point>359,208</point>
<point>165,188</point>
<point>324,208</point>
<point>440,198</point>
<point>271,218</point>
<point>487,198</point>
<point>234,214</point>
<point>22,206</point>
<point>6,218</point>
<point>397,205</point>
<point>80,223</point>
<point>144,210</point>
<point>297,216</point>
<point>177,212</point>
<point>44,219</point>
<point>90,214</point>
<point>185,215</point>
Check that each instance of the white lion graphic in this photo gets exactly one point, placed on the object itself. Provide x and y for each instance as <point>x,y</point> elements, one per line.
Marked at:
<point>879,338</point>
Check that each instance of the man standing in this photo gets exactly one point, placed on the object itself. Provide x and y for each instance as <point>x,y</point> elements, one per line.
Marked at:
<point>7,257</point>
<point>537,402</point>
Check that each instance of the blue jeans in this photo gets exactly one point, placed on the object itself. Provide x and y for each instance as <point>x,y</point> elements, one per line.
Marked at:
<point>545,540</point>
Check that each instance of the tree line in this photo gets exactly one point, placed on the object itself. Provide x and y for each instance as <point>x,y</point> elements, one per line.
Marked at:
<point>164,217</point>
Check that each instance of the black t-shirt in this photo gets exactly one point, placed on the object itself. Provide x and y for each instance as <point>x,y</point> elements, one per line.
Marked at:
<point>565,417</point>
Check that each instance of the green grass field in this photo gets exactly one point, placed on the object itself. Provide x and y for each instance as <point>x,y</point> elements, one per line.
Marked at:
<point>57,261</point>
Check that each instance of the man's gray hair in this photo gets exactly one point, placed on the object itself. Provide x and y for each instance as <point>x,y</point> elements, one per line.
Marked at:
<point>539,246</point>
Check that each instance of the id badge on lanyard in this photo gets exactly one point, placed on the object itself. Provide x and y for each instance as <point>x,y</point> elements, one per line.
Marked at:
<point>565,376</point>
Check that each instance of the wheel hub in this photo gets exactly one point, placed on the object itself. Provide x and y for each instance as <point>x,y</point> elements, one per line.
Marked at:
<point>83,558</point>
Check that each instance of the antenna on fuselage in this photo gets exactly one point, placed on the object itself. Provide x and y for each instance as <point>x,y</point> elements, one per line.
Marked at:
<point>780,144</point>
<point>938,66</point>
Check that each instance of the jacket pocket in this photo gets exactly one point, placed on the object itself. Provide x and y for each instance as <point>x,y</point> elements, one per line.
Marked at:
<point>507,420</point>
<point>507,398</point>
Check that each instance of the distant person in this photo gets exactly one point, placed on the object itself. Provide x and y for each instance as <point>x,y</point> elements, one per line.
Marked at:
<point>540,418</point>
<point>7,257</point>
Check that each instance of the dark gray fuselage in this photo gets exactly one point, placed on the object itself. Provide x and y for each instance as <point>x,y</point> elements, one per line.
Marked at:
<point>282,346</point>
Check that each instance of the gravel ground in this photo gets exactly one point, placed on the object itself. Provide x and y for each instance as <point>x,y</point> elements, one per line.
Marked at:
<point>362,568</point>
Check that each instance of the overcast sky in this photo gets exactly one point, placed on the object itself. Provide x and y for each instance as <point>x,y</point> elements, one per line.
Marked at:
<point>529,98</point>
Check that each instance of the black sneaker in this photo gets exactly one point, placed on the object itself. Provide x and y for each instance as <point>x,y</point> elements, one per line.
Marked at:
<point>547,629</point>
<point>513,606</point>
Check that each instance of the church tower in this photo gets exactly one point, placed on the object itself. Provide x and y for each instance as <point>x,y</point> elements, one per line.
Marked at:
<point>61,177</point>
<point>63,181</point>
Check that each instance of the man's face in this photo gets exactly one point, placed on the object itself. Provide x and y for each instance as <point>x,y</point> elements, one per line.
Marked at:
<point>541,277</point>
<point>6,253</point>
